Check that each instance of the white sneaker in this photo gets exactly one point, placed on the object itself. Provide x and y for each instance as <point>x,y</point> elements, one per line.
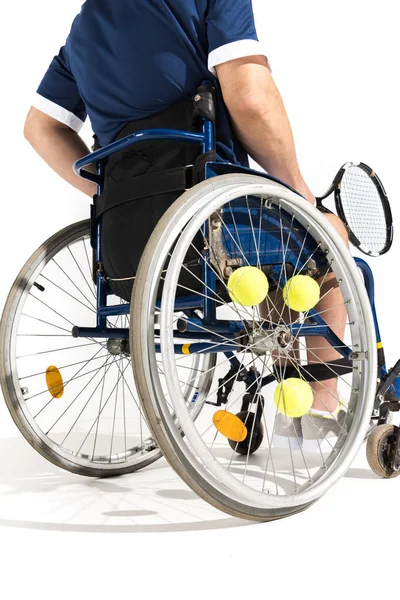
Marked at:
<point>321,430</point>
<point>287,432</point>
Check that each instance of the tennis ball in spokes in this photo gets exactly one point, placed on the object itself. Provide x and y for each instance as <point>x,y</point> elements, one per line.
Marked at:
<point>248,286</point>
<point>293,397</point>
<point>301,293</point>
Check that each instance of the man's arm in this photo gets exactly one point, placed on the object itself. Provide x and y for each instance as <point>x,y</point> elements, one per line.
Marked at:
<point>259,118</point>
<point>59,146</point>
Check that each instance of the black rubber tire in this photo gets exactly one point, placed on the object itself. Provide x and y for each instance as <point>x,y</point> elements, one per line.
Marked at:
<point>255,435</point>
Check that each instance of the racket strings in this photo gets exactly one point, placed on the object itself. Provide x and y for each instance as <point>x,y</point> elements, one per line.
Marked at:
<point>363,209</point>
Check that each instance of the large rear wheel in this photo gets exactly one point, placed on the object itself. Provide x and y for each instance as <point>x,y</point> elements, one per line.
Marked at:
<point>74,400</point>
<point>263,224</point>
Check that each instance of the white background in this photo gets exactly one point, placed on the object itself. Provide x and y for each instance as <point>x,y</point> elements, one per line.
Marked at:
<point>336,64</point>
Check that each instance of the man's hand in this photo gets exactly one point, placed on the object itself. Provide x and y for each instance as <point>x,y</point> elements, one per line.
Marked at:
<point>59,146</point>
<point>259,118</point>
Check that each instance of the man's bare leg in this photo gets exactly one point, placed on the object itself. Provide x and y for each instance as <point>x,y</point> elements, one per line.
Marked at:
<point>334,314</point>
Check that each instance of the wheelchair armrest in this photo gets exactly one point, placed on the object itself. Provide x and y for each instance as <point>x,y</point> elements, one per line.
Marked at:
<point>99,156</point>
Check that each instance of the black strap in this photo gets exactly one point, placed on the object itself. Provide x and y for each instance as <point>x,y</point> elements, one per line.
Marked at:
<point>200,165</point>
<point>317,371</point>
<point>150,184</point>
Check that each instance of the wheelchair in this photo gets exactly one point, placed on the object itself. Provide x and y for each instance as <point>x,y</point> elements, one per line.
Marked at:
<point>102,387</point>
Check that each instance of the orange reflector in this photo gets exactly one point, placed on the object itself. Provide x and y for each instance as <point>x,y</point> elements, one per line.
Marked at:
<point>54,382</point>
<point>230,426</point>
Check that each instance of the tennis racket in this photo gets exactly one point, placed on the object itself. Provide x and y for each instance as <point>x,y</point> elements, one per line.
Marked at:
<point>362,204</point>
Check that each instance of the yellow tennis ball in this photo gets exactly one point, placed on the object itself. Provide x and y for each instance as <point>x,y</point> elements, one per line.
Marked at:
<point>301,293</point>
<point>293,397</point>
<point>248,286</point>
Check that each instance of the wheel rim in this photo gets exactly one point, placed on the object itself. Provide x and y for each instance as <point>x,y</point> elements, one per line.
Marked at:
<point>198,454</point>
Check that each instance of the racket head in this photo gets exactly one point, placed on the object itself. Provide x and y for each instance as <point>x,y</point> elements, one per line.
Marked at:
<point>362,204</point>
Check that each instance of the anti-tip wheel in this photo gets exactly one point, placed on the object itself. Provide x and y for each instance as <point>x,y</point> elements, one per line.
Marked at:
<point>380,448</point>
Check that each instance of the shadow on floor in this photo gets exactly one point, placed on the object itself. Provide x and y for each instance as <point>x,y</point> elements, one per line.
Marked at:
<point>24,471</point>
<point>361,474</point>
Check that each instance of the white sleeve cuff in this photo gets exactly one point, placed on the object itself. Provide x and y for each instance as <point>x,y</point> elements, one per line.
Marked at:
<point>57,112</point>
<point>238,49</point>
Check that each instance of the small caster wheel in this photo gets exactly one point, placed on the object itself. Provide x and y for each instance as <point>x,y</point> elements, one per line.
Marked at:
<point>256,433</point>
<point>380,448</point>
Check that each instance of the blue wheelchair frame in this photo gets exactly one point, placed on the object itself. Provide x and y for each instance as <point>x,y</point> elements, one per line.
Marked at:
<point>230,329</point>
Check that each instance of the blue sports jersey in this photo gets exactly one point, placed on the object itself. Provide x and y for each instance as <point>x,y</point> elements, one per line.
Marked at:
<point>128,59</point>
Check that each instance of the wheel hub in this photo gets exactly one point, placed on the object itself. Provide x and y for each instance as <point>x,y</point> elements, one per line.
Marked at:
<point>279,340</point>
<point>118,347</point>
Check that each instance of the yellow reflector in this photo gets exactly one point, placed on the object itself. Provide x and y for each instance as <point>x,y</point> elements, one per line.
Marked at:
<point>230,426</point>
<point>54,382</point>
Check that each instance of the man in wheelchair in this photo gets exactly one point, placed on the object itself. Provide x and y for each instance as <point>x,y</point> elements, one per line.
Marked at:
<point>133,66</point>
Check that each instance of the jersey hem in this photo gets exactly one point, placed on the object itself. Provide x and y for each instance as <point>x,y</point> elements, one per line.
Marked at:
<point>233,50</point>
<point>57,112</point>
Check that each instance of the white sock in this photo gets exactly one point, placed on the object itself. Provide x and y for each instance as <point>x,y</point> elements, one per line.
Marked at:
<point>325,413</point>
